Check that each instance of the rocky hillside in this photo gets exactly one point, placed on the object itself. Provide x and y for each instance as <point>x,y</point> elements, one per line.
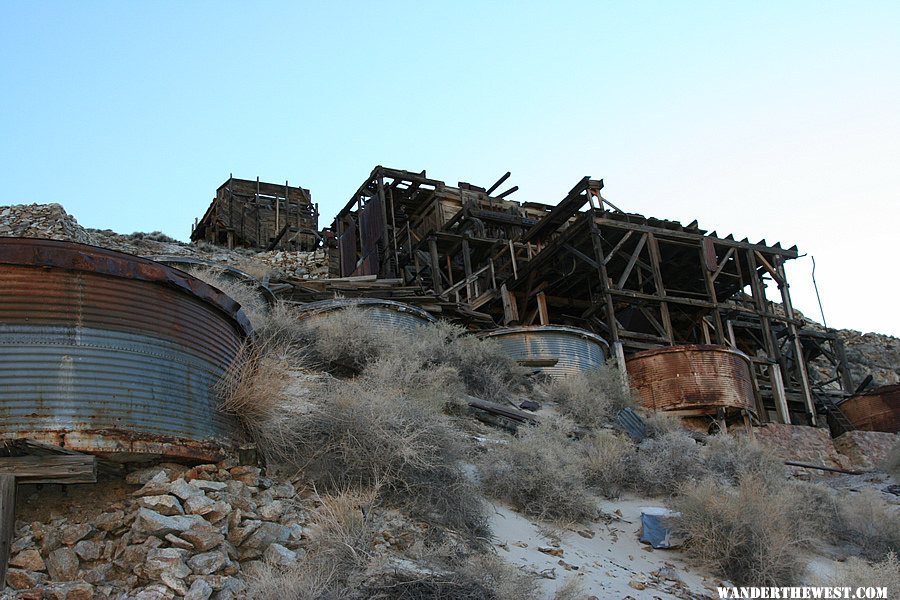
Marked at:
<point>51,221</point>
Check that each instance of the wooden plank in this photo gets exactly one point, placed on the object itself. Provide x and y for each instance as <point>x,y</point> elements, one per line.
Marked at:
<point>63,468</point>
<point>7,519</point>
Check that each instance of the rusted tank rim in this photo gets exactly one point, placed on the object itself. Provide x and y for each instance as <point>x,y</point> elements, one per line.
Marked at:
<point>324,306</point>
<point>689,348</point>
<point>189,261</point>
<point>582,333</point>
<point>72,256</point>
<point>883,390</point>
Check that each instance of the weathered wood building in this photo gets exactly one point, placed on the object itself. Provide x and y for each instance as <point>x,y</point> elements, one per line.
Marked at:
<point>259,215</point>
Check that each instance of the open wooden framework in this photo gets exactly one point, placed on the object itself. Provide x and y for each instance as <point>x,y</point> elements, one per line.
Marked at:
<point>640,282</point>
<point>259,215</point>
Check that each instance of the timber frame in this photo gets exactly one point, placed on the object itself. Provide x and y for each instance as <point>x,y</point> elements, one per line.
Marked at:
<point>638,281</point>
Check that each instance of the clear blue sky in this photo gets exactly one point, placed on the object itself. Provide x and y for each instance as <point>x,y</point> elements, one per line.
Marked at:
<point>765,119</point>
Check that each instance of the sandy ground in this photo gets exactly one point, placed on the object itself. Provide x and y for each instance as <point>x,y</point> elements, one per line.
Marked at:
<point>607,559</point>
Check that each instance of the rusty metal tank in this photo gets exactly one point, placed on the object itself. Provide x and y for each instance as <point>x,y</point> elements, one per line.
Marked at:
<point>875,410</point>
<point>112,354</point>
<point>554,350</point>
<point>384,316</point>
<point>694,377</point>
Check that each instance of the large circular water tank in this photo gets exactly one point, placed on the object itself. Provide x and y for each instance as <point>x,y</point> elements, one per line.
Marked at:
<point>109,353</point>
<point>695,377</point>
<point>553,350</point>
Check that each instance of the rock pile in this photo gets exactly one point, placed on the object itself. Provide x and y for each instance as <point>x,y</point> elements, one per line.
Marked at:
<point>48,221</point>
<point>188,533</point>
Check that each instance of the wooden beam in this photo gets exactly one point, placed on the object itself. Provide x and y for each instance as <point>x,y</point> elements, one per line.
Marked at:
<point>7,520</point>
<point>63,468</point>
<point>631,261</point>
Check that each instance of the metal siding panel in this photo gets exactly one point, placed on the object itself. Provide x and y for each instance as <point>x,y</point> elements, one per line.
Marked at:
<point>100,361</point>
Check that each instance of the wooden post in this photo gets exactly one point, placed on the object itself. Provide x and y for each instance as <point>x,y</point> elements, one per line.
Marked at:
<point>799,358</point>
<point>7,520</point>
<point>467,266</point>
<point>542,308</point>
<point>435,266</point>
<point>757,290</point>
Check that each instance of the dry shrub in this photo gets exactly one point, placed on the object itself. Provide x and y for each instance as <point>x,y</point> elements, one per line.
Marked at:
<point>571,589</point>
<point>253,387</point>
<point>732,457</point>
<point>484,369</point>
<point>338,554</point>
<point>252,302</point>
<point>748,533</point>
<point>480,577</point>
<point>891,462</point>
<point>591,398</point>
<point>541,472</point>
<point>666,461</point>
<point>344,341</point>
<point>865,520</point>
<point>857,573</point>
<point>659,423</point>
<point>609,460</point>
<point>342,563</point>
<point>817,509</point>
<point>436,386</point>
<point>356,434</point>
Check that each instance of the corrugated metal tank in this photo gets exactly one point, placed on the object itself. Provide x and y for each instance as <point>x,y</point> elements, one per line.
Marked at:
<point>875,410</point>
<point>385,316</point>
<point>109,353</point>
<point>571,348</point>
<point>691,377</point>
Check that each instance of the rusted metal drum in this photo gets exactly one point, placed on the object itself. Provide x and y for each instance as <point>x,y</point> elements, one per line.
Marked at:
<point>112,354</point>
<point>695,377</point>
<point>384,316</point>
<point>554,350</point>
<point>875,410</point>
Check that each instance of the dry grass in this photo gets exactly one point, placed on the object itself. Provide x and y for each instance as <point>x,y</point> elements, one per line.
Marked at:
<point>252,302</point>
<point>592,398</point>
<point>666,461</point>
<point>731,457</point>
<point>747,533</point>
<point>609,462</point>
<point>541,472</point>
<point>857,573</point>
<point>865,520</point>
